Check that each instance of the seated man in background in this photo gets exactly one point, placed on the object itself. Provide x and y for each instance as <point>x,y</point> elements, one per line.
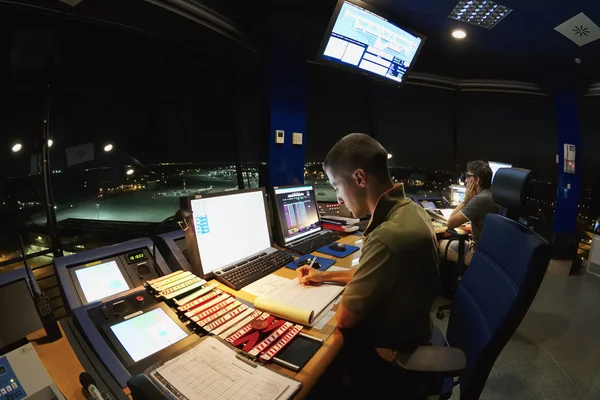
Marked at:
<point>478,203</point>
<point>388,298</point>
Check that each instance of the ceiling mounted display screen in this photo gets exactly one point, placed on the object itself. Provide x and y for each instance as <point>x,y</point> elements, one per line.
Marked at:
<point>359,38</point>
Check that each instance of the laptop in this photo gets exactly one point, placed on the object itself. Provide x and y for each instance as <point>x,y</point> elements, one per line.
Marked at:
<point>298,223</point>
<point>232,237</point>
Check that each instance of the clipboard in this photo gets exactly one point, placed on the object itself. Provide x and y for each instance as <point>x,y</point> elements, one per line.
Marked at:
<point>202,366</point>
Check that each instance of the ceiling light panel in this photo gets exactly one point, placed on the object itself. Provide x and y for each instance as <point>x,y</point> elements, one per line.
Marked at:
<point>482,13</point>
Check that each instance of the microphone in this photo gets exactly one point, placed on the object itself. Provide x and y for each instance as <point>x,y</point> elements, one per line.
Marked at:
<point>89,383</point>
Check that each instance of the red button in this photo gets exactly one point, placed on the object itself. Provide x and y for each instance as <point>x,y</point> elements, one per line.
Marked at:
<point>140,298</point>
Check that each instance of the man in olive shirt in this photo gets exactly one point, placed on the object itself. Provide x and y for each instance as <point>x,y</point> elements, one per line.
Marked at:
<point>387,302</point>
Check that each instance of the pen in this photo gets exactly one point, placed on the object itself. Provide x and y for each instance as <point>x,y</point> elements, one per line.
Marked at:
<point>312,262</point>
<point>246,360</point>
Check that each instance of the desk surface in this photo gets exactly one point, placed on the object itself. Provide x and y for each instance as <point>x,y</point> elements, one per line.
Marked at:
<point>61,363</point>
<point>64,367</point>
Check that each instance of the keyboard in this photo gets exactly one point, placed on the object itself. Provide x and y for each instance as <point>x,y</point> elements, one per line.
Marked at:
<point>362,225</point>
<point>309,245</point>
<point>252,269</point>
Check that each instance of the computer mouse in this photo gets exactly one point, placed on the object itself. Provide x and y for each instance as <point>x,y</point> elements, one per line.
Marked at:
<point>337,246</point>
<point>302,263</point>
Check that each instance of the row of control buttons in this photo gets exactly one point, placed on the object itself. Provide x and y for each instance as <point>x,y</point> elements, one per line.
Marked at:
<point>8,388</point>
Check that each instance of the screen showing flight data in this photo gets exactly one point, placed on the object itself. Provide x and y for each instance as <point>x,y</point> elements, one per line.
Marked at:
<point>230,227</point>
<point>361,39</point>
<point>147,333</point>
<point>298,212</point>
<point>100,281</point>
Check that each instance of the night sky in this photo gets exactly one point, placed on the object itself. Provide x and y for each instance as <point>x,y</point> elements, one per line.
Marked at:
<point>160,101</point>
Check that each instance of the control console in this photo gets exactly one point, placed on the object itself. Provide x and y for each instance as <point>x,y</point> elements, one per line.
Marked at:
<point>131,331</point>
<point>94,275</point>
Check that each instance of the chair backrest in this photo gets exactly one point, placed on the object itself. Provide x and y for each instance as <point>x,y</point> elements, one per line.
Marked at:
<point>509,191</point>
<point>496,291</point>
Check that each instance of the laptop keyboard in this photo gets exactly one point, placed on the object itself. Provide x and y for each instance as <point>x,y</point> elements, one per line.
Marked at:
<point>310,245</point>
<point>252,269</point>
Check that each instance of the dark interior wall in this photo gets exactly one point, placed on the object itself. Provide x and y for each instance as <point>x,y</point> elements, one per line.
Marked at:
<point>414,123</point>
<point>411,122</point>
<point>336,106</point>
<point>512,128</point>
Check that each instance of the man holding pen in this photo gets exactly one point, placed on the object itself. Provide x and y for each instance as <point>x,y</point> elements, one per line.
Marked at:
<point>387,302</point>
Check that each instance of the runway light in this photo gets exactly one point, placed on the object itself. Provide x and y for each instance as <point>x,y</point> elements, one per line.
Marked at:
<point>50,142</point>
<point>108,147</point>
<point>459,34</point>
<point>129,172</point>
<point>389,156</point>
<point>17,147</point>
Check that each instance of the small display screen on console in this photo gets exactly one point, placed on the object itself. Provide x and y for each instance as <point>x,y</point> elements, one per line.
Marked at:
<point>148,333</point>
<point>100,281</point>
<point>137,256</point>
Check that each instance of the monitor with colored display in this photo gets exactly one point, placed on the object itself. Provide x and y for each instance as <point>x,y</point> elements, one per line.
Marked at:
<point>359,38</point>
<point>297,211</point>
<point>457,194</point>
<point>229,227</point>
<point>102,280</point>
<point>495,166</point>
<point>147,333</point>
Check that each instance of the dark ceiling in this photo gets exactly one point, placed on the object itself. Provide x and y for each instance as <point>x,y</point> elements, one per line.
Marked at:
<point>524,46</point>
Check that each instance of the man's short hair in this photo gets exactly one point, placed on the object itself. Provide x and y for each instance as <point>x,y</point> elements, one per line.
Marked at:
<point>358,151</point>
<point>481,170</point>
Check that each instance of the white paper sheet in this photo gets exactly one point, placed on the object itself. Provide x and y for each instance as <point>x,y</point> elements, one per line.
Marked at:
<point>211,370</point>
<point>314,298</point>
<point>322,321</point>
<point>334,268</point>
<point>267,286</point>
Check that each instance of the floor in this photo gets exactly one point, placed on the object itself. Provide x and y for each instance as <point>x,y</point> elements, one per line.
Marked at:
<point>555,353</point>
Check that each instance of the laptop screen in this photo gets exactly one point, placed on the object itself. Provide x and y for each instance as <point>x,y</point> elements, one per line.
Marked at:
<point>298,212</point>
<point>230,227</point>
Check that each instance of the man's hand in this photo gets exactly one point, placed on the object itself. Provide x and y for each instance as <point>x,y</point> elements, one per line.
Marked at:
<point>309,276</point>
<point>471,192</point>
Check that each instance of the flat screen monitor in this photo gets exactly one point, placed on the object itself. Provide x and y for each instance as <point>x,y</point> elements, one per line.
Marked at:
<point>360,39</point>
<point>495,166</point>
<point>297,212</point>
<point>230,227</point>
<point>17,312</point>
<point>146,334</point>
<point>432,203</point>
<point>457,194</point>
<point>100,281</point>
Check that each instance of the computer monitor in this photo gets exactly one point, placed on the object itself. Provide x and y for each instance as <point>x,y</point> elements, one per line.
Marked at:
<point>457,194</point>
<point>17,310</point>
<point>360,39</point>
<point>297,212</point>
<point>102,280</point>
<point>495,166</point>
<point>230,226</point>
<point>431,203</point>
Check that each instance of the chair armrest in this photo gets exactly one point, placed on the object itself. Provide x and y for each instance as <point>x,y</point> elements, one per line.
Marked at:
<point>448,361</point>
<point>458,233</point>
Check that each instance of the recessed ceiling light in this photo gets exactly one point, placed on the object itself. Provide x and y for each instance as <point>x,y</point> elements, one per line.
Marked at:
<point>459,34</point>
<point>483,13</point>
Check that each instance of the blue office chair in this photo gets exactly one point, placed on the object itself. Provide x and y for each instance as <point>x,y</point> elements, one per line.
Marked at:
<point>491,300</point>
